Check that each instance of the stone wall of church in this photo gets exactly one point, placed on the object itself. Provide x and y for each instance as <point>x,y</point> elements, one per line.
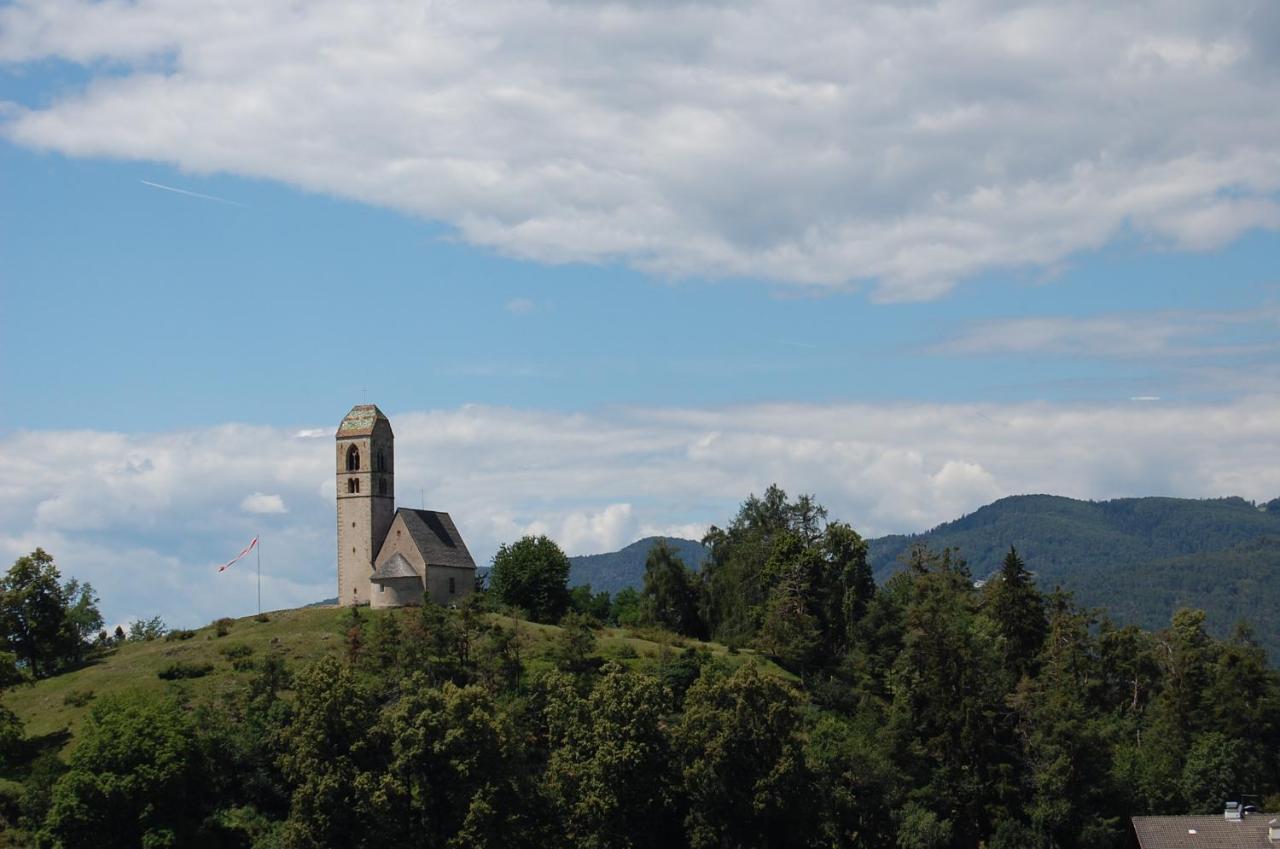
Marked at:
<point>397,592</point>
<point>450,584</point>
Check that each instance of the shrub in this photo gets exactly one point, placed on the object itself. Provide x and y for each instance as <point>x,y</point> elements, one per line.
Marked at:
<point>145,630</point>
<point>235,650</point>
<point>77,698</point>
<point>222,627</point>
<point>183,669</point>
<point>179,635</point>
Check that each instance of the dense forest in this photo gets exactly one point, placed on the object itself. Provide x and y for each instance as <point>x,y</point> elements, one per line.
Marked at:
<point>1139,559</point>
<point>921,713</point>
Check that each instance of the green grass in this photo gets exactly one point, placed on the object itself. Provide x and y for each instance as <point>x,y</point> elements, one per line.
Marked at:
<point>59,704</point>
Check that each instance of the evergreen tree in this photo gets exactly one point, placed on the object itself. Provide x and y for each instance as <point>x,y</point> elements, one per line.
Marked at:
<point>1017,609</point>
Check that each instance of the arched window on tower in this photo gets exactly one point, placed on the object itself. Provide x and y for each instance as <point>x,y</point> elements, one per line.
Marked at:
<point>353,459</point>
<point>381,462</point>
<point>353,485</point>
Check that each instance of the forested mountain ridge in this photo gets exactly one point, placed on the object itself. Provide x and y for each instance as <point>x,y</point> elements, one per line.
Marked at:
<point>1061,535</point>
<point>1139,559</point>
<point>615,570</point>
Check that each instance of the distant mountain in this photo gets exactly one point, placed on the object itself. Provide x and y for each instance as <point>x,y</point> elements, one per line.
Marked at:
<point>625,568</point>
<point>1138,558</point>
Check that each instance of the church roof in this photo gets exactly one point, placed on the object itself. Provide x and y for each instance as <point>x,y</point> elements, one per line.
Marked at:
<point>437,538</point>
<point>395,566</point>
<point>361,420</point>
<point>1204,832</point>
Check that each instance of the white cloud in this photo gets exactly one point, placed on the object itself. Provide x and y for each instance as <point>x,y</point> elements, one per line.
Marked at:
<point>147,518</point>
<point>262,504</point>
<point>592,533</point>
<point>520,306</point>
<point>805,141</point>
<point>1171,334</point>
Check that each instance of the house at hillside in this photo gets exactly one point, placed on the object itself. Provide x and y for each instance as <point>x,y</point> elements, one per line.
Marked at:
<point>1233,829</point>
<point>389,556</point>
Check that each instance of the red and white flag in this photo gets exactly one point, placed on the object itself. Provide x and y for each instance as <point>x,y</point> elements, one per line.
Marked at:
<point>233,561</point>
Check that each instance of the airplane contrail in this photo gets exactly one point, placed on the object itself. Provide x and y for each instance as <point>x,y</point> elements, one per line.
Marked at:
<point>190,194</point>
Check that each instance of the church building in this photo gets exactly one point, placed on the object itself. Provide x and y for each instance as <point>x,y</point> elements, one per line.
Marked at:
<point>389,557</point>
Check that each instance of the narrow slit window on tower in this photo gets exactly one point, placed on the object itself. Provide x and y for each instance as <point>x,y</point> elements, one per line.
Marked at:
<point>452,587</point>
<point>382,487</point>
<point>353,485</point>
<point>381,462</point>
<point>353,459</point>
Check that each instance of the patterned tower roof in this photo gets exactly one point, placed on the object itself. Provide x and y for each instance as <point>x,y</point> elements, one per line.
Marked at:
<point>361,420</point>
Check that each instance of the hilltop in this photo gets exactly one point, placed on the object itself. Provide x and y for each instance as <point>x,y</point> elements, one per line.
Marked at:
<point>52,706</point>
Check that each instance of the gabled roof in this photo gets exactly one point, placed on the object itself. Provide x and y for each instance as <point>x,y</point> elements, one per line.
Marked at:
<point>361,421</point>
<point>1203,832</point>
<point>395,566</point>
<point>437,538</point>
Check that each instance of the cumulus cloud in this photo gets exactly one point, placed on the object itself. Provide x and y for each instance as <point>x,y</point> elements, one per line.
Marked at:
<point>147,518</point>
<point>261,503</point>
<point>810,142</point>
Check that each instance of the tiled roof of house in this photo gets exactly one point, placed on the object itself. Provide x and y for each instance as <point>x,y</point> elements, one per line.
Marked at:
<point>437,538</point>
<point>1204,832</point>
<point>395,566</point>
<point>361,420</point>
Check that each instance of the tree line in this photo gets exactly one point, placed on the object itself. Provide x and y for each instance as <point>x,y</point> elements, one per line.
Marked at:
<point>924,713</point>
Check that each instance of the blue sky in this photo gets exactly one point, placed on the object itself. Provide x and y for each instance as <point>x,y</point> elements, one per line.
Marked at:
<point>167,310</point>
<point>612,267</point>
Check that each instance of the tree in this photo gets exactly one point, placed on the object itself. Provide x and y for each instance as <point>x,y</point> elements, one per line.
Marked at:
<point>327,758</point>
<point>1017,610</point>
<point>450,775</point>
<point>132,778</point>
<point>572,647</point>
<point>610,772</point>
<point>532,574</point>
<point>146,630</point>
<point>743,757</point>
<point>43,622</point>
<point>671,592</point>
<point>628,607</point>
<point>595,605</point>
<point>10,725</point>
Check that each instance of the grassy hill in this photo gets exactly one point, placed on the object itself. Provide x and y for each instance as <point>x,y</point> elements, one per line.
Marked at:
<point>56,705</point>
<point>1138,558</point>
<point>625,568</point>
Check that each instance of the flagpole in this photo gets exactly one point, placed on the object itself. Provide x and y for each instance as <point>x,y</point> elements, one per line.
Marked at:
<point>259,575</point>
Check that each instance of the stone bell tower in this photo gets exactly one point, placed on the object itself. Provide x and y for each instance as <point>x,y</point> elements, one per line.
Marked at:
<point>366,497</point>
